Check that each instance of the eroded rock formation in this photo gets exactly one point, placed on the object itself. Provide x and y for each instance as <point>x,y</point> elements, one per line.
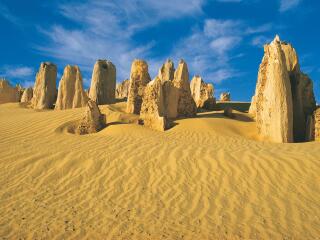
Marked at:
<point>186,104</point>
<point>153,111</point>
<point>122,89</point>
<point>71,93</point>
<point>44,91</point>
<point>170,92</point>
<point>27,95</point>
<point>225,97</point>
<point>202,93</point>
<point>103,82</point>
<point>284,95</point>
<point>139,78</point>
<point>313,126</point>
<point>93,121</point>
<point>20,91</point>
<point>317,125</point>
<point>8,93</point>
<point>166,72</point>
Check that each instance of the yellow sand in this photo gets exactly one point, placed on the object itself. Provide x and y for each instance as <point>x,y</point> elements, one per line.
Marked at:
<point>206,178</point>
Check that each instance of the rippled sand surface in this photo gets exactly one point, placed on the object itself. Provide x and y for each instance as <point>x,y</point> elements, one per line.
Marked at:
<point>205,178</point>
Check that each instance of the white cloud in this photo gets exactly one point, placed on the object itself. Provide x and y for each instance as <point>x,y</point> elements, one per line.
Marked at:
<point>217,28</point>
<point>24,74</point>
<point>286,5</point>
<point>18,72</point>
<point>260,40</point>
<point>210,50</point>
<point>224,44</point>
<point>7,14</point>
<point>106,30</point>
<point>259,29</point>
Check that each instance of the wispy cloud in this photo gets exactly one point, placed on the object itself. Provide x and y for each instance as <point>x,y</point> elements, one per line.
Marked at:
<point>286,5</point>
<point>24,74</point>
<point>107,30</point>
<point>16,71</point>
<point>212,48</point>
<point>8,15</point>
<point>260,40</point>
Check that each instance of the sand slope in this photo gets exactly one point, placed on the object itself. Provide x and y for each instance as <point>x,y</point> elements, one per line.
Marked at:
<point>206,178</point>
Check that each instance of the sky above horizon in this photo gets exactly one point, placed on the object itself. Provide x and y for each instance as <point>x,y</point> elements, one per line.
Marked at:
<point>221,40</point>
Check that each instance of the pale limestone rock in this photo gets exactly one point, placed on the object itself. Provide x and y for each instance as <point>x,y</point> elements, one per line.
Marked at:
<point>122,89</point>
<point>303,101</point>
<point>310,128</point>
<point>44,91</point>
<point>302,93</point>
<point>20,91</point>
<point>8,93</point>
<point>139,78</point>
<point>202,93</point>
<point>171,98</point>
<point>186,104</point>
<point>103,83</point>
<point>313,126</point>
<point>170,92</point>
<point>225,97</point>
<point>272,103</point>
<point>153,112</point>
<point>166,72</point>
<point>93,121</point>
<point>71,93</point>
<point>317,125</point>
<point>27,95</point>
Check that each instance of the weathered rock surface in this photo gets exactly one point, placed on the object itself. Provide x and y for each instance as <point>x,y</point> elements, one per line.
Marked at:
<point>171,98</point>
<point>225,97</point>
<point>186,104</point>
<point>280,66</point>
<point>70,92</point>
<point>139,78</point>
<point>8,93</point>
<point>170,92</point>
<point>20,91</point>
<point>313,126</point>
<point>202,93</point>
<point>153,112</point>
<point>27,95</point>
<point>122,89</point>
<point>103,83</point>
<point>302,93</point>
<point>317,125</point>
<point>93,121</point>
<point>166,72</point>
<point>44,91</point>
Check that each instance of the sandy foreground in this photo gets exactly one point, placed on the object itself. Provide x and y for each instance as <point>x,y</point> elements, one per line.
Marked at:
<point>205,178</point>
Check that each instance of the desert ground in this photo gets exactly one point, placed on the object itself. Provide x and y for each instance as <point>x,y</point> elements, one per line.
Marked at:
<point>207,177</point>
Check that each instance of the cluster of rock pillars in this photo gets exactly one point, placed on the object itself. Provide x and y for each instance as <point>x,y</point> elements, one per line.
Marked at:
<point>283,106</point>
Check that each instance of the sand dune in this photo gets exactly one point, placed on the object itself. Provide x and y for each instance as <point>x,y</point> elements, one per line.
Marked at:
<point>206,178</point>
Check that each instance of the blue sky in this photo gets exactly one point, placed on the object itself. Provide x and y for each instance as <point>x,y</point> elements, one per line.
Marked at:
<point>221,40</point>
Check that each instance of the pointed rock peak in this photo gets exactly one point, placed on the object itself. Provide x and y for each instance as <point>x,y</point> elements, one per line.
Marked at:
<point>182,61</point>
<point>276,39</point>
<point>169,61</point>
